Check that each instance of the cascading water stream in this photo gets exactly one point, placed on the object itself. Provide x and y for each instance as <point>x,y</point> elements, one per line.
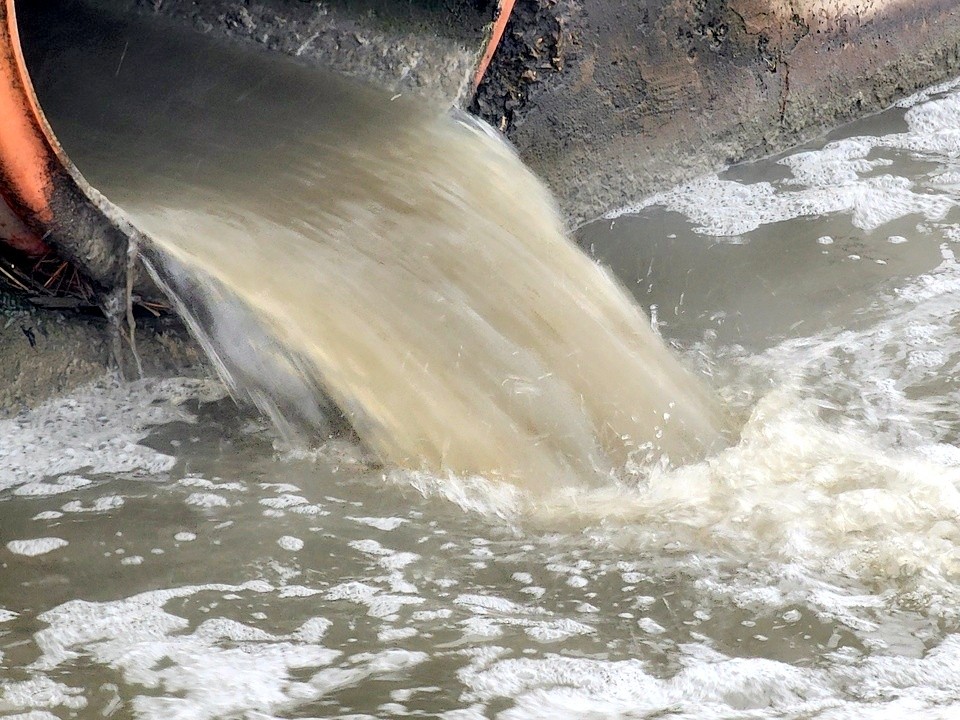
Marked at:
<point>324,239</point>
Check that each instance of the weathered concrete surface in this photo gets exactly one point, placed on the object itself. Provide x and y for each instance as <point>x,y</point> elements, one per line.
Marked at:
<point>45,353</point>
<point>611,100</point>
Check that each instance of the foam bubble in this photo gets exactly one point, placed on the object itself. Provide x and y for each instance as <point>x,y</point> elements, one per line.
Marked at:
<point>39,692</point>
<point>221,668</point>
<point>200,482</point>
<point>206,500</point>
<point>712,685</point>
<point>96,429</point>
<point>841,177</point>
<point>313,630</point>
<point>290,543</point>
<point>385,524</point>
<point>36,546</point>
<point>63,484</point>
<point>101,504</point>
<point>393,634</point>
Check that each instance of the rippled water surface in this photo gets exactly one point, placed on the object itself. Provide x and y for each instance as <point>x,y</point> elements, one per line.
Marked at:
<point>163,556</point>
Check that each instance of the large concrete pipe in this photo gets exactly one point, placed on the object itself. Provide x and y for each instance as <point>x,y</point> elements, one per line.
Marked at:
<point>48,209</point>
<point>65,247</point>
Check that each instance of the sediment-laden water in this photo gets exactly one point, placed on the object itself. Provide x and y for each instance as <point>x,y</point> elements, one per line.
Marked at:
<point>164,554</point>
<point>330,240</point>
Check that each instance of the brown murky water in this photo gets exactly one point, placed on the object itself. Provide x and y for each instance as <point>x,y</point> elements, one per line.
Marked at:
<point>326,236</point>
<point>164,555</point>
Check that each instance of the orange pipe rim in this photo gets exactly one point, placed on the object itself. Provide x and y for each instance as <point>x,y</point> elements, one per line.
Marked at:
<point>504,10</point>
<point>24,150</point>
<point>46,205</point>
<point>29,153</point>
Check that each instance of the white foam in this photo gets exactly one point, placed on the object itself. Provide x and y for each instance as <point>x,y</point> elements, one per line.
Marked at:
<point>386,606</point>
<point>96,429</point>
<point>711,685</point>
<point>839,178</point>
<point>199,482</point>
<point>491,614</point>
<point>393,634</point>
<point>429,615</point>
<point>36,546</point>
<point>284,488</point>
<point>39,692</point>
<point>353,591</point>
<point>364,666</point>
<point>553,631</point>
<point>282,502</point>
<point>388,559</point>
<point>650,626</point>
<point>62,484</point>
<point>299,591</point>
<point>725,208</point>
<point>313,630</point>
<point>101,504</point>
<point>489,604</point>
<point>923,96</point>
<point>380,523</point>
<point>206,500</point>
<point>290,543</point>
<point>310,510</point>
<point>796,496</point>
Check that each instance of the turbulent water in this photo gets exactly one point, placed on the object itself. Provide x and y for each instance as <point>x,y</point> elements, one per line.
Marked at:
<point>163,555</point>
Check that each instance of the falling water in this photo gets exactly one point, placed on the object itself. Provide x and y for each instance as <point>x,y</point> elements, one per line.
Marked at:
<point>329,240</point>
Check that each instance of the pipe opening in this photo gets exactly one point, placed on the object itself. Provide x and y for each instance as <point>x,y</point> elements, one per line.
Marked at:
<point>59,236</point>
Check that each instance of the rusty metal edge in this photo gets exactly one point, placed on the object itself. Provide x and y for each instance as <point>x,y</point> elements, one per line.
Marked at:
<point>499,27</point>
<point>46,202</point>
